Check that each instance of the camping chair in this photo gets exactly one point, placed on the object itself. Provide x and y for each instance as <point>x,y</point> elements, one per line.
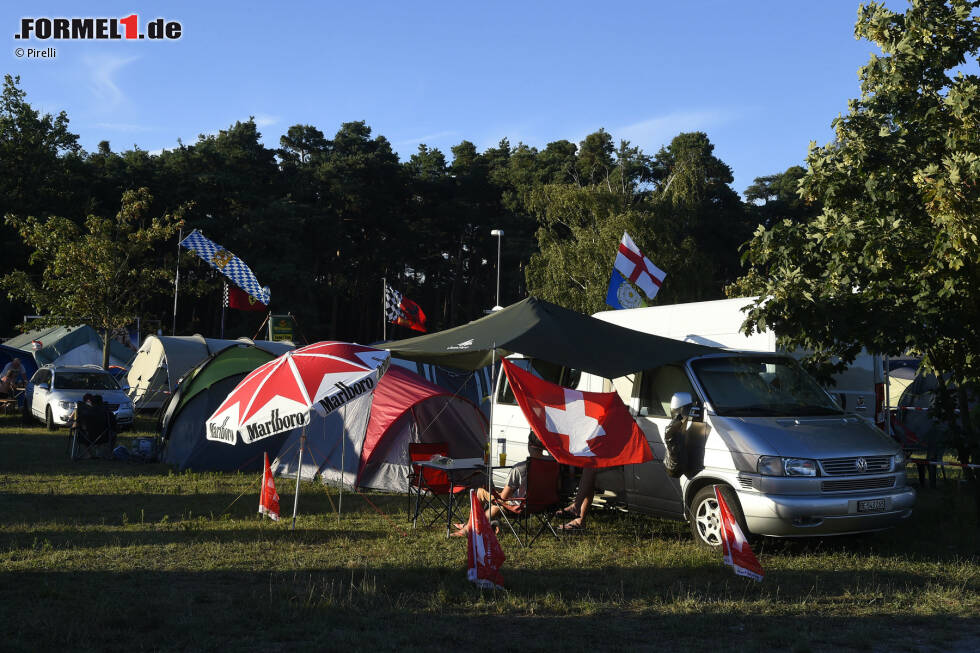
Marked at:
<point>94,427</point>
<point>430,487</point>
<point>541,501</point>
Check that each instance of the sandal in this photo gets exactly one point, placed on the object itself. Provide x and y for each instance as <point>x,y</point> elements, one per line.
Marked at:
<point>570,513</point>
<point>572,528</point>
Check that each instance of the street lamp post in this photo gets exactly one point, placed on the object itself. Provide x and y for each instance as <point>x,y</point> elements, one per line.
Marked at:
<point>499,234</point>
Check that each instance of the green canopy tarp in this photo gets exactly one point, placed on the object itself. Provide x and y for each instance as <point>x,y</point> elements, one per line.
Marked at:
<point>543,330</point>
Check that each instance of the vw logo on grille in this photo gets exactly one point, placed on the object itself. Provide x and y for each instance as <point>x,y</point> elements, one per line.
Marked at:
<point>861,464</point>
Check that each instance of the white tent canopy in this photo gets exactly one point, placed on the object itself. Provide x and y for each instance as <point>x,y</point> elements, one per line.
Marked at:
<point>162,361</point>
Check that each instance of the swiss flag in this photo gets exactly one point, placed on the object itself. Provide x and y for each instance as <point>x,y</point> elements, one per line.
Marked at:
<point>735,548</point>
<point>242,301</point>
<point>484,557</point>
<point>584,429</point>
<point>269,498</point>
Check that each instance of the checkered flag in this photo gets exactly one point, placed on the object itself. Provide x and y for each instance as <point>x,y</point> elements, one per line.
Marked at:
<point>393,299</point>
<point>227,264</point>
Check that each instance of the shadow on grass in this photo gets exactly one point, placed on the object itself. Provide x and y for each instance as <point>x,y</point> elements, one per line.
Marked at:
<point>69,539</point>
<point>435,608</point>
<point>116,509</point>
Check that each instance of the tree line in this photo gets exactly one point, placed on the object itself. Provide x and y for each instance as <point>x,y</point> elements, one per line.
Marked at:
<point>321,220</point>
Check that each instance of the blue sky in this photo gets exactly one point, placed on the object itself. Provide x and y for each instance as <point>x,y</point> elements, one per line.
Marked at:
<point>761,78</point>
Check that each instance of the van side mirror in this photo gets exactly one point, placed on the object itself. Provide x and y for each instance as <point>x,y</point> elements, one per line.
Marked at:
<point>42,386</point>
<point>683,404</point>
<point>680,400</point>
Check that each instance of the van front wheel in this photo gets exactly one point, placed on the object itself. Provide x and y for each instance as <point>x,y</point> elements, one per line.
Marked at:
<point>705,516</point>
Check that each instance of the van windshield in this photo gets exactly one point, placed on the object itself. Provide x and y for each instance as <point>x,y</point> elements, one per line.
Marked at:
<point>742,386</point>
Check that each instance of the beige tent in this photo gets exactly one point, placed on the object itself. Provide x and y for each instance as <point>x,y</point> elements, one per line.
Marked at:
<point>162,361</point>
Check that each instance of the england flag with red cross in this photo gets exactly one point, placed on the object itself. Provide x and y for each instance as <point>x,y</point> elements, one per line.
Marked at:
<point>637,268</point>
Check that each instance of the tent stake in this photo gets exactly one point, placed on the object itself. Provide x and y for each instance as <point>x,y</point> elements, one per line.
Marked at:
<point>299,471</point>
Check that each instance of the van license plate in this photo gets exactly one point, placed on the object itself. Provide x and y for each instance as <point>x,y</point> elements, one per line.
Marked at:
<point>871,505</point>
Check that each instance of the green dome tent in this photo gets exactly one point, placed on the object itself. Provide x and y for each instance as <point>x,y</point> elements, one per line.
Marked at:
<point>198,395</point>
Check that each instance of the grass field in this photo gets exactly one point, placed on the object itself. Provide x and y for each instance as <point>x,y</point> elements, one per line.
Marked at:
<point>106,555</point>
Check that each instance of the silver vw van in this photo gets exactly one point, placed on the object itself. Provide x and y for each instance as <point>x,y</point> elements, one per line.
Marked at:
<point>792,463</point>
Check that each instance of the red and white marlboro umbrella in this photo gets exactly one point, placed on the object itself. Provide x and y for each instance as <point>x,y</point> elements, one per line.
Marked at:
<point>278,396</point>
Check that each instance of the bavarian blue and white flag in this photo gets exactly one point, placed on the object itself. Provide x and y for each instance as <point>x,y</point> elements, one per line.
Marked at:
<point>227,264</point>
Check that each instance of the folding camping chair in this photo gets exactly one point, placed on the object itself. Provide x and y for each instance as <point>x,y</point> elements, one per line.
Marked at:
<point>94,427</point>
<point>430,487</point>
<point>541,501</point>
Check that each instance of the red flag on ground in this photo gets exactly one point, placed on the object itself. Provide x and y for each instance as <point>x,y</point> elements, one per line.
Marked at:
<point>403,311</point>
<point>584,429</point>
<point>735,548</point>
<point>484,557</point>
<point>242,301</point>
<point>269,498</point>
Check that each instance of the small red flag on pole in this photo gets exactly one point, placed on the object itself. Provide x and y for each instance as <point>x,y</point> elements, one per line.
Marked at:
<point>735,548</point>
<point>269,498</point>
<point>483,552</point>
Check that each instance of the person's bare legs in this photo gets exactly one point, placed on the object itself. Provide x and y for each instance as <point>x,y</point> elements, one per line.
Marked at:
<point>484,497</point>
<point>583,498</point>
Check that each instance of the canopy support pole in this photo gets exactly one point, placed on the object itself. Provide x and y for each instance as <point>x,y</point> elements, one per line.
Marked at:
<point>493,392</point>
<point>343,449</point>
<point>299,472</point>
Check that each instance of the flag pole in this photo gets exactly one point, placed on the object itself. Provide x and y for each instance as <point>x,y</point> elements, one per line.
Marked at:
<point>180,237</point>
<point>299,472</point>
<point>224,303</point>
<point>384,307</point>
<point>261,326</point>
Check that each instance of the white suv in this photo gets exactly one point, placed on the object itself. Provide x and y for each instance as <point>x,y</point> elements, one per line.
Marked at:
<point>54,390</point>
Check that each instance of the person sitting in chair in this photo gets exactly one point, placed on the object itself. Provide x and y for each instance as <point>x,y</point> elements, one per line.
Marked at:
<point>81,408</point>
<point>516,487</point>
<point>110,421</point>
<point>8,385</point>
<point>16,369</point>
<point>93,422</point>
